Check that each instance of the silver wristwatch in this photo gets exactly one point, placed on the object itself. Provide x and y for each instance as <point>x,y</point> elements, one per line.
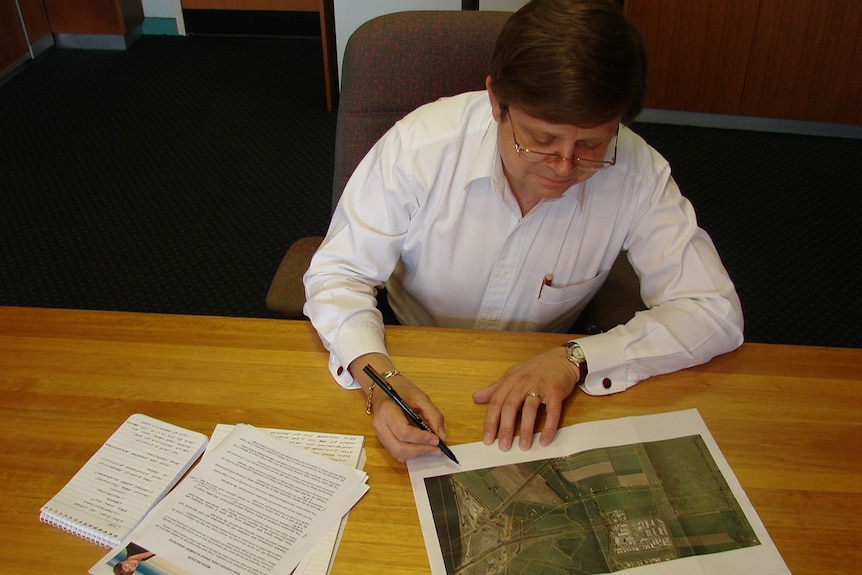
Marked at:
<point>576,356</point>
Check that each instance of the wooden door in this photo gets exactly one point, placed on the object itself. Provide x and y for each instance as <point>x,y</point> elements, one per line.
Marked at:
<point>116,17</point>
<point>35,19</point>
<point>697,52</point>
<point>13,40</point>
<point>24,32</point>
<point>806,62</point>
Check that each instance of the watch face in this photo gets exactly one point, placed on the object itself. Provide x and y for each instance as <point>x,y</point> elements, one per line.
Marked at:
<point>576,354</point>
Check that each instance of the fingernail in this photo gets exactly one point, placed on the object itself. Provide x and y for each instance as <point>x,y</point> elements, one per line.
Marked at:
<point>505,444</point>
<point>488,438</point>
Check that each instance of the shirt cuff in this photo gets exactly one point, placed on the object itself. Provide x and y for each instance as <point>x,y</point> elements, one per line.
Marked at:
<point>351,343</point>
<point>606,363</point>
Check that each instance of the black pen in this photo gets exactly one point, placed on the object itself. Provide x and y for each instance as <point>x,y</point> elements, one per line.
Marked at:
<point>408,411</point>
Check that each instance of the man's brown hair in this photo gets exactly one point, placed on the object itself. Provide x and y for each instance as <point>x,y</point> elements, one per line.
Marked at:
<point>577,62</point>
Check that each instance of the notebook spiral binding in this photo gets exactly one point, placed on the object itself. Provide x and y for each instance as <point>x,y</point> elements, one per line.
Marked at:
<point>85,531</point>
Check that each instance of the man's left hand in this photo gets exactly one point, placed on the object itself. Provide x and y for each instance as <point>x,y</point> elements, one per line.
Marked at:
<point>547,379</point>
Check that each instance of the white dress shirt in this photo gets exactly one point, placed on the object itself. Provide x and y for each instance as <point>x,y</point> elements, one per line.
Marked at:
<point>430,212</point>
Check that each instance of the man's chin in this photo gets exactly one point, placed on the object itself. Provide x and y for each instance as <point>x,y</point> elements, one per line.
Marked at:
<point>553,190</point>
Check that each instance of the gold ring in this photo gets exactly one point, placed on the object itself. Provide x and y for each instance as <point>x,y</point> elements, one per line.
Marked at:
<point>534,394</point>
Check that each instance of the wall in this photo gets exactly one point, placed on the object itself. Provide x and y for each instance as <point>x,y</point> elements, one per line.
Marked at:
<point>163,17</point>
<point>501,5</point>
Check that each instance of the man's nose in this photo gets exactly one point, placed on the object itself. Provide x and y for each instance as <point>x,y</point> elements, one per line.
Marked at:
<point>564,166</point>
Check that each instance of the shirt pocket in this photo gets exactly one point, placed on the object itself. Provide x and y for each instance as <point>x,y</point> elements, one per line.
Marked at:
<point>573,294</point>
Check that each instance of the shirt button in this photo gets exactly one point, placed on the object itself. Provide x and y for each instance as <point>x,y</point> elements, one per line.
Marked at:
<point>340,370</point>
<point>606,383</point>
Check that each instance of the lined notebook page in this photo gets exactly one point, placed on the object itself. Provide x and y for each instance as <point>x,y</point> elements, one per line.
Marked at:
<point>124,479</point>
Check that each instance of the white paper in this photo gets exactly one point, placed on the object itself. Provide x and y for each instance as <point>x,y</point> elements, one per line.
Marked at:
<point>346,449</point>
<point>253,506</point>
<point>491,532</point>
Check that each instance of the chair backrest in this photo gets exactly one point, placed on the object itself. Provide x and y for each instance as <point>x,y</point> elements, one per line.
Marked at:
<point>396,62</point>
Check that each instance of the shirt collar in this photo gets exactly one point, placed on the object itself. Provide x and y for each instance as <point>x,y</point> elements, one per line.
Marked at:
<point>486,163</point>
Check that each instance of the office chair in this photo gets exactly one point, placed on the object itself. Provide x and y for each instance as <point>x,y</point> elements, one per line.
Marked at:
<point>392,65</point>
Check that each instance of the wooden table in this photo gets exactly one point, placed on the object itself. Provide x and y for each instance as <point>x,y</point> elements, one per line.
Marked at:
<point>787,419</point>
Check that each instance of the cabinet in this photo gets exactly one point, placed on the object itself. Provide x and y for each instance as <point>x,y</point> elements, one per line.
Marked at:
<point>767,58</point>
<point>94,17</point>
<point>24,32</point>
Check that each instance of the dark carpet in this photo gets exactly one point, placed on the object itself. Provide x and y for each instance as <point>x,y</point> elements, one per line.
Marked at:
<point>783,211</point>
<point>167,178</point>
<point>172,176</point>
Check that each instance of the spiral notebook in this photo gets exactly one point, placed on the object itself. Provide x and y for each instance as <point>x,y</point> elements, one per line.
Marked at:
<point>131,472</point>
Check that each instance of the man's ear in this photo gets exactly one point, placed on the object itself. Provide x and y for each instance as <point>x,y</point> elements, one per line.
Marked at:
<point>495,102</point>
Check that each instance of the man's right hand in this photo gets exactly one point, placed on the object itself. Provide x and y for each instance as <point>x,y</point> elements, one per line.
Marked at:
<point>394,431</point>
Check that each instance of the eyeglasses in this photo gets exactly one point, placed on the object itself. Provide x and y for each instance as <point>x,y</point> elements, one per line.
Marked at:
<point>552,158</point>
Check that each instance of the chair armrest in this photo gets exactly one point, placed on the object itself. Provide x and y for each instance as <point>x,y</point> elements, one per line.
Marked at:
<point>286,295</point>
<point>615,303</point>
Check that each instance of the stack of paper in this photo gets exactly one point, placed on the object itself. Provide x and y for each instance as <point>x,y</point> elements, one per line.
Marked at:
<point>255,504</point>
<point>346,449</point>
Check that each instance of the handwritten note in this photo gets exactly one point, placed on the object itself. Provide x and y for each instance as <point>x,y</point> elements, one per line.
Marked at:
<point>124,479</point>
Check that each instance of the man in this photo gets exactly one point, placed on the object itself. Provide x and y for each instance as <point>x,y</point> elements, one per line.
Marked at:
<point>505,209</point>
